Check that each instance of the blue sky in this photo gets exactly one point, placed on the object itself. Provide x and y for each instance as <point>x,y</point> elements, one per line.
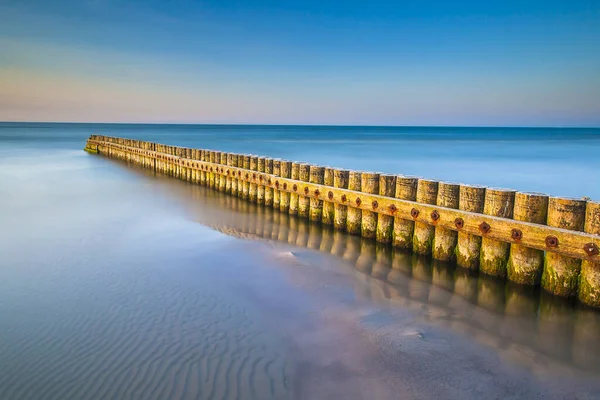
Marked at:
<point>510,63</point>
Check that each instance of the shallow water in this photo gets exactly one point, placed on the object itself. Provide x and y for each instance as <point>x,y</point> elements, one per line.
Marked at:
<point>116,283</point>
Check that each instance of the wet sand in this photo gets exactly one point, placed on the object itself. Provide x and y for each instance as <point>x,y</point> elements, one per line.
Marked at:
<point>118,284</point>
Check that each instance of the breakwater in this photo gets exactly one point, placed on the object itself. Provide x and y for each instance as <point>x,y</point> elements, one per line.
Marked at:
<point>528,238</point>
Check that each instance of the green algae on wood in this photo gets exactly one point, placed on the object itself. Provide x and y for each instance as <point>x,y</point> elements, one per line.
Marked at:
<point>589,280</point>
<point>561,273</point>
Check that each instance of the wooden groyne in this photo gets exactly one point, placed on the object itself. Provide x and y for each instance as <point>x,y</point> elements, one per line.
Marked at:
<point>527,238</point>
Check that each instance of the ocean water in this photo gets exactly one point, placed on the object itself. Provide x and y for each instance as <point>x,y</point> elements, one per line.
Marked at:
<point>118,283</point>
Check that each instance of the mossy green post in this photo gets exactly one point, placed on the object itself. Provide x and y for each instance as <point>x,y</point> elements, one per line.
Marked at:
<point>253,190</point>
<point>444,240</point>
<point>525,265</point>
<point>369,183</point>
<point>589,280</point>
<point>294,199</point>
<point>561,273</point>
<point>328,208</point>
<point>260,191</point>
<point>303,202</point>
<point>285,171</point>
<point>317,175</point>
<point>494,254</point>
<point>423,235</point>
<point>276,191</point>
<point>354,215</point>
<point>406,189</point>
<point>385,223</point>
<point>340,180</point>
<point>268,190</point>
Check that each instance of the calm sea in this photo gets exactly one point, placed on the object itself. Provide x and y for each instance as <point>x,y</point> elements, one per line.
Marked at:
<point>116,283</point>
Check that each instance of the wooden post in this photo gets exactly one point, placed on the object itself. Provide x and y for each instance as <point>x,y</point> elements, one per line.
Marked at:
<point>340,180</point>
<point>285,171</point>
<point>369,183</point>
<point>406,189</point>
<point>235,183</point>
<point>276,191</point>
<point>246,184</point>
<point>561,273</point>
<point>525,265</point>
<point>294,199</point>
<point>212,174</point>
<point>444,240</point>
<point>385,223</point>
<point>423,235</point>
<point>317,175</point>
<point>229,179</point>
<point>268,190</point>
<point>328,208</point>
<point>472,199</point>
<point>202,172</point>
<point>354,215</point>
<point>253,190</point>
<point>303,202</point>
<point>589,281</point>
<point>494,254</point>
<point>260,190</point>
<point>222,177</point>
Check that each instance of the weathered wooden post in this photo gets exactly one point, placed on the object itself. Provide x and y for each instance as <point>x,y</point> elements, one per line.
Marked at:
<point>317,175</point>
<point>245,174</point>
<point>561,273</point>
<point>229,179</point>
<point>212,174</point>
<point>285,170</point>
<point>222,177</point>
<point>328,208</point>
<point>494,254</point>
<point>369,183</point>
<point>276,191</point>
<point>253,190</point>
<point>260,190</point>
<point>269,192</point>
<point>294,199</point>
<point>385,223</point>
<point>340,180</point>
<point>406,189</point>
<point>472,199</point>
<point>303,202</point>
<point>354,215</point>
<point>234,178</point>
<point>444,240</point>
<point>589,281</point>
<point>525,265</point>
<point>423,235</point>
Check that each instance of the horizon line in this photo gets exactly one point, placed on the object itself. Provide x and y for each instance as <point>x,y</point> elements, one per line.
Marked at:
<point>305,125</point>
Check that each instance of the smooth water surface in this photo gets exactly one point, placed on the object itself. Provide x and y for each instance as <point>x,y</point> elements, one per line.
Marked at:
<point>119,284</point>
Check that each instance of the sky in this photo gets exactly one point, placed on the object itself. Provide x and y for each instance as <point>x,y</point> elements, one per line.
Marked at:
<point>371,62</point>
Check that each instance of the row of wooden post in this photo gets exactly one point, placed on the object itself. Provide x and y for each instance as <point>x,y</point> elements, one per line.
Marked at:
<point>558,274</point>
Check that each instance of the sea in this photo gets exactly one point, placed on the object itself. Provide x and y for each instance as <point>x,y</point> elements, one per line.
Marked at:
<point>119,283</point>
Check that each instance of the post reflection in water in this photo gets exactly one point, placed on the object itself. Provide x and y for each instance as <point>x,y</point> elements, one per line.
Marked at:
<point>523,324</point>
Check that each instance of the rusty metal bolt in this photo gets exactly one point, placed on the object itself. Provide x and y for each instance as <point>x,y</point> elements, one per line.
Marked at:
<point>551,241</point>
<point>358,201</point>
<point>284,186</point>
<point>516,234</point>
<point>306,190</point>
<point>374,204</point>
<point>295,187</point>
<point>591,249</point>
<point>317,193</point>
<point>269,181</point>
<point>330,195</point>
<point>260,178</point>
<point>228,172</point>
<point>246,175</point>
<point>392,208</point>
<point>344,198</point>
<point>211,169</point>
<point>414,213</point>
<point>253,176</point>
<point>277,184</point>
<point>459,223</point>
<point>484,227</point>
<point>435,215</point>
